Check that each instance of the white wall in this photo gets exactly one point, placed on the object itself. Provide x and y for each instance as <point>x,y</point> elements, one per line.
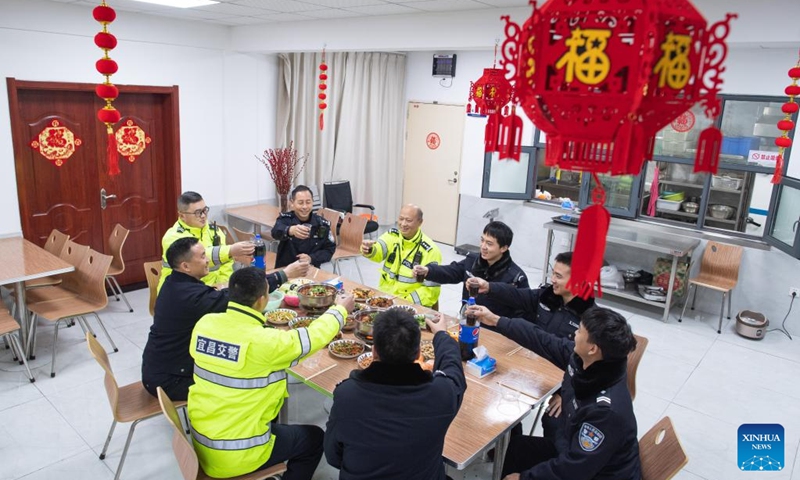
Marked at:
<point>227,100</point>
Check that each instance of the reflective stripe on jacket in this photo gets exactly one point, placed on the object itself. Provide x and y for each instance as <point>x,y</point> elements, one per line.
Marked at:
<point>220,263</point>
<point>398,257</point>
<point>240,383</point>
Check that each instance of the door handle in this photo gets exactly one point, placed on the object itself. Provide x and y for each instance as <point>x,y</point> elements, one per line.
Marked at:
<point>453,181</point>
<point>104,197</point>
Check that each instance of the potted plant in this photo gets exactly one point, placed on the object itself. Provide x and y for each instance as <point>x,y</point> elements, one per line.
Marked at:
<point>284,166</point>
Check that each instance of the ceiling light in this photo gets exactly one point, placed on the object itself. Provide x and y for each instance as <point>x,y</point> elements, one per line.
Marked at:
<point>180,3</point>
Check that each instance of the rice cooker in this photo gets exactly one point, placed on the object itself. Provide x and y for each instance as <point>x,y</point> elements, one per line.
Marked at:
<point>751,324</point>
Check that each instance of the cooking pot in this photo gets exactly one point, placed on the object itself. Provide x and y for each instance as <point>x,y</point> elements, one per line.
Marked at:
<point>751,324</point>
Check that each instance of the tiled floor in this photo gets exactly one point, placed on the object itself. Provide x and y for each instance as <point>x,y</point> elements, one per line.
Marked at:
<point>708,384</point>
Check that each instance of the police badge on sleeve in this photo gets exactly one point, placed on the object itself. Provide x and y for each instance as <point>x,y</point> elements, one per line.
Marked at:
<point>590,437</point>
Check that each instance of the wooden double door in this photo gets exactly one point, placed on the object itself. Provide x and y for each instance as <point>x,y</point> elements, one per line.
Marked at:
<point>66,193</point>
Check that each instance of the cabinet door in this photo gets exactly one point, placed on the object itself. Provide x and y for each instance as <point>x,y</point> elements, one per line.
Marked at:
<point>622,193</point>
<point>784,230</point>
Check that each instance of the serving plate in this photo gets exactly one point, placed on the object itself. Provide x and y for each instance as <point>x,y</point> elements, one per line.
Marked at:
<point>337,348</point>
<point>281,316</point>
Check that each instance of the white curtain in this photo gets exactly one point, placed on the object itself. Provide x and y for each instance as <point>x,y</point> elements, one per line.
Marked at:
<point>363,136</point>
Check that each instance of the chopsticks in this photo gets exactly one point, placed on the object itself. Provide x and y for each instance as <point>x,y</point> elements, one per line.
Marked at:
<point>321,371</point>
<point>512,352</point>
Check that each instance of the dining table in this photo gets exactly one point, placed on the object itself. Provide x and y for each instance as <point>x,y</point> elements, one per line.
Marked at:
<point>23,260</point>
<point>486,416</point>
<point>261,215</point>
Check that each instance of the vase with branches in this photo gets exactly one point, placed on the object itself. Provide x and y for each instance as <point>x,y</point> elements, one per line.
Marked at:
<point>284,166</point>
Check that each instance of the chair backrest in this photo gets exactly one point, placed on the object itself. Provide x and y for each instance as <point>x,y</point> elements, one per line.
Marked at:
<point>338,196</point>
<point>112,388</point>
<point>722,261</point>
<point>316,202</point>
<point>56,242</point>
<point>633,363</point>
<point>352,233</point>
<point>183,449</point>
<point>91,274</point>
<point>152,271</point>
<point>334,218</point>
<point>115,242</point>
<point>660,452</point>
<point>243,236</point>
<point>73,253</point>
<point>229,240</point>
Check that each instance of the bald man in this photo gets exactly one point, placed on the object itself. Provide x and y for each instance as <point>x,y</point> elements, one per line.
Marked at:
<point>400,249</point>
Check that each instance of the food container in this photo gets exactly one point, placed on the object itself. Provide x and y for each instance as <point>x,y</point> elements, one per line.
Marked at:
<point>724,181</point>
<point>346,348</point>
<point>281,316</point>
<point>721,212</point>
<point>690,207</point>
<point>316,296</point>
<point>751,324</point>
<point>364,319</point>
<point>275,299</point>
<point>673,196</point>
<point>301,322</point>
<point>364,360</point>
<point>668,205</point>
<point>380,302</point>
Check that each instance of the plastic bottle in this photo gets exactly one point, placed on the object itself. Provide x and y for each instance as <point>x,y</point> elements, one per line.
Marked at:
<point>468,334</point>
<point>259,253</point>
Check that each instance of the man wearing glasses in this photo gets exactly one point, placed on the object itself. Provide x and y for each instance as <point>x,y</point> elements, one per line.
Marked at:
<point>193,222</point>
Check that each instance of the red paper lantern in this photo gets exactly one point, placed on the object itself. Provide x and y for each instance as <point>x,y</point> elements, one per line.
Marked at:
<point>107,91</point>
<point>105,40</point>
<point>108,115</point>
<point>488,95</point>
<point>104,14</point>
<point>323,77</point>
<point>106,66</point>
<point>787,125</point>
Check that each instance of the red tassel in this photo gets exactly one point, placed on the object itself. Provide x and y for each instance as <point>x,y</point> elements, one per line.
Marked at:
<point>510,136</point>
<point>111,153</point>
<point>708,148</point>
<point>778,175</point>
<point>590,247</point>
<point>321,122</point>
<point>492,131</point>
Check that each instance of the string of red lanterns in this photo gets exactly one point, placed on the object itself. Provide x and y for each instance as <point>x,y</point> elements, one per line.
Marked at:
<point>106,90</point>
<point>787,125</point>
<point>323,77</point>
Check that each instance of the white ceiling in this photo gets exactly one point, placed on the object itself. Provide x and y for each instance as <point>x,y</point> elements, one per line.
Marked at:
<point>254,12</point>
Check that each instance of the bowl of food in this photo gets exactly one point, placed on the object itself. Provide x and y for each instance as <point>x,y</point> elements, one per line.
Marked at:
<point>364,360</point>
<point>426,350</point>
<point>281,316</point>
<point>361,294</point>
<point>350,323</point>
<point>721,212</point>
<point>315,297</point>
<point>365,319</point>
<point>346,348</point>
<point>380,302</point>
<point>301,322</point>
<point>690,207</point>
<point>275,299</point>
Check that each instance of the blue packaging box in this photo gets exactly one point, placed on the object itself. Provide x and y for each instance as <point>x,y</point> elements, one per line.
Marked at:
<point>481,368</point>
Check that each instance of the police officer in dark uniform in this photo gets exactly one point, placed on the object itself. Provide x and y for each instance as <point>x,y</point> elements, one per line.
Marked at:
<point>303,235</point>
<point>599,439</point>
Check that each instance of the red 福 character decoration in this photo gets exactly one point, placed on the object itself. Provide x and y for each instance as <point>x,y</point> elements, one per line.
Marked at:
<point>106,90</point>
<point>600,78</point>
<point>787,125</point>
<point>323,87</point>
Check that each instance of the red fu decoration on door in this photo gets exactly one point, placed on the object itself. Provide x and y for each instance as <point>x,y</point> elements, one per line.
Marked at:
<point>106,90</point>
<point>601,77</point>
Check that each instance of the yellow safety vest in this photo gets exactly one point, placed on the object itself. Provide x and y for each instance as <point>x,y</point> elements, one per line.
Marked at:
<point>240,383</point>
<point>399,257</point>
<point>220,263</point>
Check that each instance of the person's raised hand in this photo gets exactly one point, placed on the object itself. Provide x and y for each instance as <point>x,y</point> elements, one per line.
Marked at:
<point>303,257</point>
<point>242,249</point>
<point>366,246</point>
<point>296,269</point>
<point>436,324</point>
<point>483,314</point>
<point>299,231</point>
<point>420,271</point>
<point>481,284</point>
<point>347,301</point>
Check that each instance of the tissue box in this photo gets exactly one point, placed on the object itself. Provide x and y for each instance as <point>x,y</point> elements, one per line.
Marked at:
<point>481,368</point>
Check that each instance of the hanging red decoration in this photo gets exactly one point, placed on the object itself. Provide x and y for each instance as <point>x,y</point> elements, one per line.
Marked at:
<point>323,77</point>
<point>787,125</point>
<point>106,90</point>
<point>56,143</point>
<point>601,77</point>
<point>131,140</point>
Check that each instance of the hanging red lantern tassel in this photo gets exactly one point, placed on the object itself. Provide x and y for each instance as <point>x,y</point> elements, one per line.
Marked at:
<point>590,246</point>
<point>787,125</point>
<point>323,77</point>
<point>106,90</point>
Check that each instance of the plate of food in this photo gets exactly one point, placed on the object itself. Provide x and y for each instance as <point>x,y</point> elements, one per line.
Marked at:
<point>281,316</point>
<point>361,294</point>
<point>301,322</point>
<point>364,360</point>
<point>346,348</point>
<point>426,349</point>
<point>380,302</point>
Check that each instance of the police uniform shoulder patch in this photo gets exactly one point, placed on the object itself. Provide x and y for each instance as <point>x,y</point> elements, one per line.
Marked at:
<point>604,399</point>
<point>426,246</point>
<point>180,229</point>
<point>323,221</point>
<point>287,214</point>
<point>590,437</point>
<point>394,231</point>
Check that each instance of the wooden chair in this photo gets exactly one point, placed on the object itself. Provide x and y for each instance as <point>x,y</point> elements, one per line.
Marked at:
<point>89,277</point>
<point>351,236</point>
<point>7,328</point>
<point>55,244</point>
<point>335,218</point>
<point>130,403</point>
<point>115,243</point>
<point>228,235</point>
<point>660,452</point>
<point>719,270</point>
<point>186,455</point>
<point>152,271</point>
<point>633,363</point>
<point>73,253</point>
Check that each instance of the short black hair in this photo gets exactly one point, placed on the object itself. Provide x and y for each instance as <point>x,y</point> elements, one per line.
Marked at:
<point>396,336</point>
<point>180,251</point>
<point>565,258</point>
<point>246,285</point>
<point>188,198</point>
<point>500,232</point>
<point>610,331</point>
<point>301,188</point>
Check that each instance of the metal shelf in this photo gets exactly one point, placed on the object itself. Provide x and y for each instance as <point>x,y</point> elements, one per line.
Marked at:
<point>678,213</point>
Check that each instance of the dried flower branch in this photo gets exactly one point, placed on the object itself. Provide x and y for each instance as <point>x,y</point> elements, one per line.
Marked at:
<point>284,166</point>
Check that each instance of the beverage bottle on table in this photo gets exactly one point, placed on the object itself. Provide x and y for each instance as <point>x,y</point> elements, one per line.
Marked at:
<point>259,253</point>
<point>468,333</point>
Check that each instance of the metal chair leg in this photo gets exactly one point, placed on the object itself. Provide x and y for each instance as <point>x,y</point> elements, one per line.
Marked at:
<point>683,311</point>
<point>112,288</point>
<point>125,450</point>
<point>5,341</point>
<point>32,337</point>
<point>119,289</point>
<point>105,331</point>
<point>14,351</point>
<point>694,299</point>
<point>538,416</point>
<point>730,294</point>
<point>186,420</point>
<point>721,313</point>
<point>359,271</point>
<point>108,440</point>
<point>15,344</point>
<point>55,350</point>
<point>86,326</point>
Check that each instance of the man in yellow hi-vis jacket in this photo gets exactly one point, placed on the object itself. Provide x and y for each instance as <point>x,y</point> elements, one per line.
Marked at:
<point>193,222</point>
<point>400,249</point>
<point>240,384</point>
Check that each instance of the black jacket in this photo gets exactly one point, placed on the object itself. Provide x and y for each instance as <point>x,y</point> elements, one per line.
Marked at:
<point>388,422</point>
<point>542,307</point>
<point>319,246</point>
<point>599,439</point>
<point>503,271</point>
